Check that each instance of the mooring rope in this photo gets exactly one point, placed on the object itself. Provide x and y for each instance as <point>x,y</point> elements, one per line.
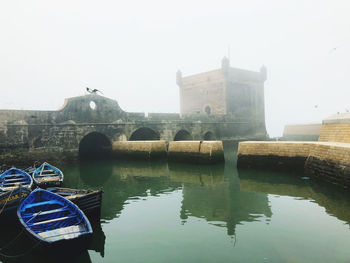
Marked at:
<point>22,254</point>
<point>9,243</point>
<point>20,233</point>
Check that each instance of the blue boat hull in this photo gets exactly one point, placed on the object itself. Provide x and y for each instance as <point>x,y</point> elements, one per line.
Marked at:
<point>53,221</point>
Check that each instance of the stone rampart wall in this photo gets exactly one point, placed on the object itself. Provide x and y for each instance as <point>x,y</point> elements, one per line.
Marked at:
<point>288,149</point>
<point>275,155</point>
<point>337,132</point>
<point>302,132</point>
<point>328,161</point>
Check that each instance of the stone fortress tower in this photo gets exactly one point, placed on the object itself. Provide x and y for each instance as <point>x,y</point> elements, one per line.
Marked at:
<point>236,93</point>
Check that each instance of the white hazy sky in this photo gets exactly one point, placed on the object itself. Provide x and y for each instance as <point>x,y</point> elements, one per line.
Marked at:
<point>131,50</point>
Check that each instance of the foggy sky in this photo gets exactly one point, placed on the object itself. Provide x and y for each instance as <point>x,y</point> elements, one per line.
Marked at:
<point>131,50</point>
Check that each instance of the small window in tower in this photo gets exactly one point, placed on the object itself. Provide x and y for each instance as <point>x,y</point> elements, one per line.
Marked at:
<point>207,110</point>
<point>92,105</point>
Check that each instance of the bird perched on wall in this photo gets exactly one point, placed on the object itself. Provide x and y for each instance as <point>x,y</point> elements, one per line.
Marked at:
<point>93,91</point>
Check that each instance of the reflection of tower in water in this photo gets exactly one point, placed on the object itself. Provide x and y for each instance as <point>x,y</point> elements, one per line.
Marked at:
<point>221,202</point>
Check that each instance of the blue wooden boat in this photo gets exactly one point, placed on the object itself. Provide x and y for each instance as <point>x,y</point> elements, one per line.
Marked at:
<point>13,177</point>
<point>54,220</point>
<point>10,200</point>
<point>47,175</point>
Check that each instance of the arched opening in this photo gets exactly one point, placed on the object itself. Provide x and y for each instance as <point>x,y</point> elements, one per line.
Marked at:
<point>95,145</point>
<point>144,134</point>
<point>207,110</point>
<point>183,135</point>
<point>209,136</point>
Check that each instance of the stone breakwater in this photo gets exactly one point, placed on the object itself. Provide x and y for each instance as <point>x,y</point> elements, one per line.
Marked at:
<point>139,149</point>
<point>328,161</point>
<point>205,152</point>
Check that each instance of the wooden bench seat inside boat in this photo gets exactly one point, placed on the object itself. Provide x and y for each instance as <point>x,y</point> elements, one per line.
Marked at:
<point>13,175</point>
<point>65,232</point>
<point>46,175</point>
<point>15,179</point>
<point>51,202</point>
<point>58,210</point>
<point>14,184</point>
<point>49,179</point>
<point>52,220</point>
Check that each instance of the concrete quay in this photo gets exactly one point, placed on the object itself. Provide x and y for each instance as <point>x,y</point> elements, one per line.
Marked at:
<point>327,159</point>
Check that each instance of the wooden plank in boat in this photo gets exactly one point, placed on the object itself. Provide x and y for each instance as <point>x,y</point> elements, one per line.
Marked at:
<point>10,175</point>
<point>50,221</point>
<point>62,233</point>
<point>49,179</point>
<point>49,211</point>
<point>15,179</point>
<point>46,175</point>
<point>14,184</point>
<point>42,203</point>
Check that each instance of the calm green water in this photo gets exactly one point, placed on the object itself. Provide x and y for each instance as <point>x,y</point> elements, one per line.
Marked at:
<point>159,212</point>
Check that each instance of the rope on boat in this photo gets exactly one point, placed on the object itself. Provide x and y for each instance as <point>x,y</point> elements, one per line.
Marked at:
<point>8,198</point>
<point>22,254</point>
<point>20,233</point>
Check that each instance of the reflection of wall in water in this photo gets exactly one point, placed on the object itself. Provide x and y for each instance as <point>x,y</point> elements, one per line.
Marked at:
<point>334,199</point>
<point>127,180</point>
<point>141,169</point>
<point>196,174</point>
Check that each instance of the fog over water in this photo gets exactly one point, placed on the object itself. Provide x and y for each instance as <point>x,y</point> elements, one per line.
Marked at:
<point>131,51</point>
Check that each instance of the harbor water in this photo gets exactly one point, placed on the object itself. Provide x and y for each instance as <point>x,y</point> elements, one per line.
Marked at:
<point>170,212</point>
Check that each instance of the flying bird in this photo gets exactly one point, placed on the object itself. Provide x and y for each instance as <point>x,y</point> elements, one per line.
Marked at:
<point>93,91</point>
<point>333,49</point>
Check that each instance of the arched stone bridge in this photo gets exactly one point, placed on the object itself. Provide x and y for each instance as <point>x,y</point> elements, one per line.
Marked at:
<point>87,123</point>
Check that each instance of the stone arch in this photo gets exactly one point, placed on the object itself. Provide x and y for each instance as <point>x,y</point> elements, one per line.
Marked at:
<point>95,145</point>
<point>183,135</point>
<point>36,143</point>
<point>209,136</point>
<point>144,134</point>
